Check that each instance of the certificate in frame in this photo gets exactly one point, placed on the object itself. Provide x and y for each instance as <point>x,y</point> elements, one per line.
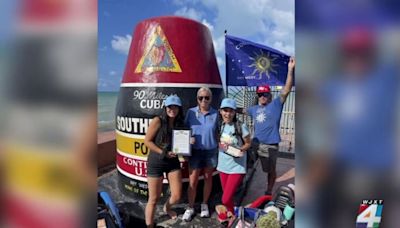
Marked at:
<point>181,142</point>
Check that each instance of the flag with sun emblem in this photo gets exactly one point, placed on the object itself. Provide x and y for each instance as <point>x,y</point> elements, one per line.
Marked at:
<point>252,64</point>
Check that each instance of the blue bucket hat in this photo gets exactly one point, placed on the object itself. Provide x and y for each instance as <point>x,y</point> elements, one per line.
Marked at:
<point>228,103</point>
<point>173,100</point>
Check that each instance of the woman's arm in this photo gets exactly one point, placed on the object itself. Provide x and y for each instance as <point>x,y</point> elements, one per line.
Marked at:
<point>154,126</point>
<point>247,143</point>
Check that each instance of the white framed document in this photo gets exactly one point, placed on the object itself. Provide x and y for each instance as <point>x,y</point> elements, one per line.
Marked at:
<point>181,142</point>
<point>233,151</point>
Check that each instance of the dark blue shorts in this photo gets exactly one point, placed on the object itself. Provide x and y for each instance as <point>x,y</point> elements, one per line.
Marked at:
<point>203,159</point>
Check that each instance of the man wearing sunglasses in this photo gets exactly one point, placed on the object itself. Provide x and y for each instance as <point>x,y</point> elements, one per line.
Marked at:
<point>266,116</point>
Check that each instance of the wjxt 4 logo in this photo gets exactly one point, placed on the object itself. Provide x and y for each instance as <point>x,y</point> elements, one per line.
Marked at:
<point>369,214</point>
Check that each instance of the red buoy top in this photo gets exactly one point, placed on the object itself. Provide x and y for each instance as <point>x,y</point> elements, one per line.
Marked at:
<point>171,50</point>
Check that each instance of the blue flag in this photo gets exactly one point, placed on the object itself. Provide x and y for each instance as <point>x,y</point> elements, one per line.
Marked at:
<point>252,64</point>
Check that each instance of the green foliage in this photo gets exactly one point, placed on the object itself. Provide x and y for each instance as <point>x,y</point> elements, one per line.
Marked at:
<point>268,221</point>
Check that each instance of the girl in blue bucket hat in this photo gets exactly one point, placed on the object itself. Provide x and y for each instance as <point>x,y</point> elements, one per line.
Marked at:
<point>161,159</point>
<point>234,141</point>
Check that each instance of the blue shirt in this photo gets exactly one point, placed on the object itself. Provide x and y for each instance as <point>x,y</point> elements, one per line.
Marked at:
<point>363,118</point>
<point>203,128</point>
<point>266,121</point>
<point>226,163</point>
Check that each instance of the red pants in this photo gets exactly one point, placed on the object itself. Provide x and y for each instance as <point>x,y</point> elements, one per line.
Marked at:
<point>229,182</point>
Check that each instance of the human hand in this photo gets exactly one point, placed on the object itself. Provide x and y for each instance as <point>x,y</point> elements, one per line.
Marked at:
<point>223,146</point>
<point>171,154</point>
<point>291,63</point>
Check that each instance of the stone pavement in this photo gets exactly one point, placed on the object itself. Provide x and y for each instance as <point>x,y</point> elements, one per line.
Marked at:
<point>133,210</point>
<point>258,184</point>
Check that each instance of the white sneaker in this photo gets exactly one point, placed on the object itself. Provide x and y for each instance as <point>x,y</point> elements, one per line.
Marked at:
<point>187,216</point>
<point>204,211</point>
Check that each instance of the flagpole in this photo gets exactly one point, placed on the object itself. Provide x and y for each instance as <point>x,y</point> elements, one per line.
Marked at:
<point>226,67</point>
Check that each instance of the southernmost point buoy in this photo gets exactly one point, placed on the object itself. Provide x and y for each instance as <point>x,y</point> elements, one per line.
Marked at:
<point>168,55</point>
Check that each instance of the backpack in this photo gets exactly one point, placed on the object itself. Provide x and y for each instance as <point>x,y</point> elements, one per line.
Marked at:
<point>238,130</point>
<point>284,196</point>
<point>107,212</point>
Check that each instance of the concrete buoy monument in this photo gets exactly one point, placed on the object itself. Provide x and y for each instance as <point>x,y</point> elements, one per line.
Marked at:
<point>168,55</point>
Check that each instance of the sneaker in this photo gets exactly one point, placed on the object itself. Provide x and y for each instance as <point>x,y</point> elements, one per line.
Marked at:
<point>187,216</point>
<point>204,211</point>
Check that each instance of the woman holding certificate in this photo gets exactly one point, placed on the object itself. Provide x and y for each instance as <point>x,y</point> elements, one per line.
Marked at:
<point>231,157</point>
<point>202,120</point>
<point>161,159</point>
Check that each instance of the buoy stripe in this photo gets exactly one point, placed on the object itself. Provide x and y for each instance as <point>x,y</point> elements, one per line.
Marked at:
<point>144,179</point>
<point>128,135</point>
<point>130,145</point>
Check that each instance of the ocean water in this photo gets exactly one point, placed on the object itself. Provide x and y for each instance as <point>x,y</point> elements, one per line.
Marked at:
<point>106,104</point>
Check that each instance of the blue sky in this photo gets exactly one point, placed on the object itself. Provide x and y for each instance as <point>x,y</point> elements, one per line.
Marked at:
<point>268,22</point>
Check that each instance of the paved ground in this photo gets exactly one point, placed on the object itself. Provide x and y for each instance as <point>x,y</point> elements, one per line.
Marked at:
<point>258,184</point>
<point>133,210</point>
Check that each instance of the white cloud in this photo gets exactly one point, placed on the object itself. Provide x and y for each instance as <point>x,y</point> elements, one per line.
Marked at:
<point>263,21</point>
<point>121,44</point>
<point>112,73</point>
<point>206,23</point>
<point>189,13</point>
<point>219,44</point>
<point>268,22</point>
<point>243,18</point>
<point>184,2</point>
<point>288,49</point>
<point>192,14</point>
<point>283,19</point>
<point>221,62</point>
<point>219,47</point>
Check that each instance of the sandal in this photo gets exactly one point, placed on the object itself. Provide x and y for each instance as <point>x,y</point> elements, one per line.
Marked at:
<point>222,213</point>
<point>225,217</point>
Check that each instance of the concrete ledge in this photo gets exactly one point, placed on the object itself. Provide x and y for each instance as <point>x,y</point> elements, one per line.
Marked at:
<point>106,149</point>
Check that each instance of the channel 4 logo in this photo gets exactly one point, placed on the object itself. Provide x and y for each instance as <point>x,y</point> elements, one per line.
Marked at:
<point>369,214</point>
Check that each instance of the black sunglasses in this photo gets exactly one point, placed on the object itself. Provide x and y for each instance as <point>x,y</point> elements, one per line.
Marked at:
<point>263,94</point>
<point>201,98</point>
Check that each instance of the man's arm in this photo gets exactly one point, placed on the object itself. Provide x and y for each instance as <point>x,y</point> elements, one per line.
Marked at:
<point>289,80</point>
